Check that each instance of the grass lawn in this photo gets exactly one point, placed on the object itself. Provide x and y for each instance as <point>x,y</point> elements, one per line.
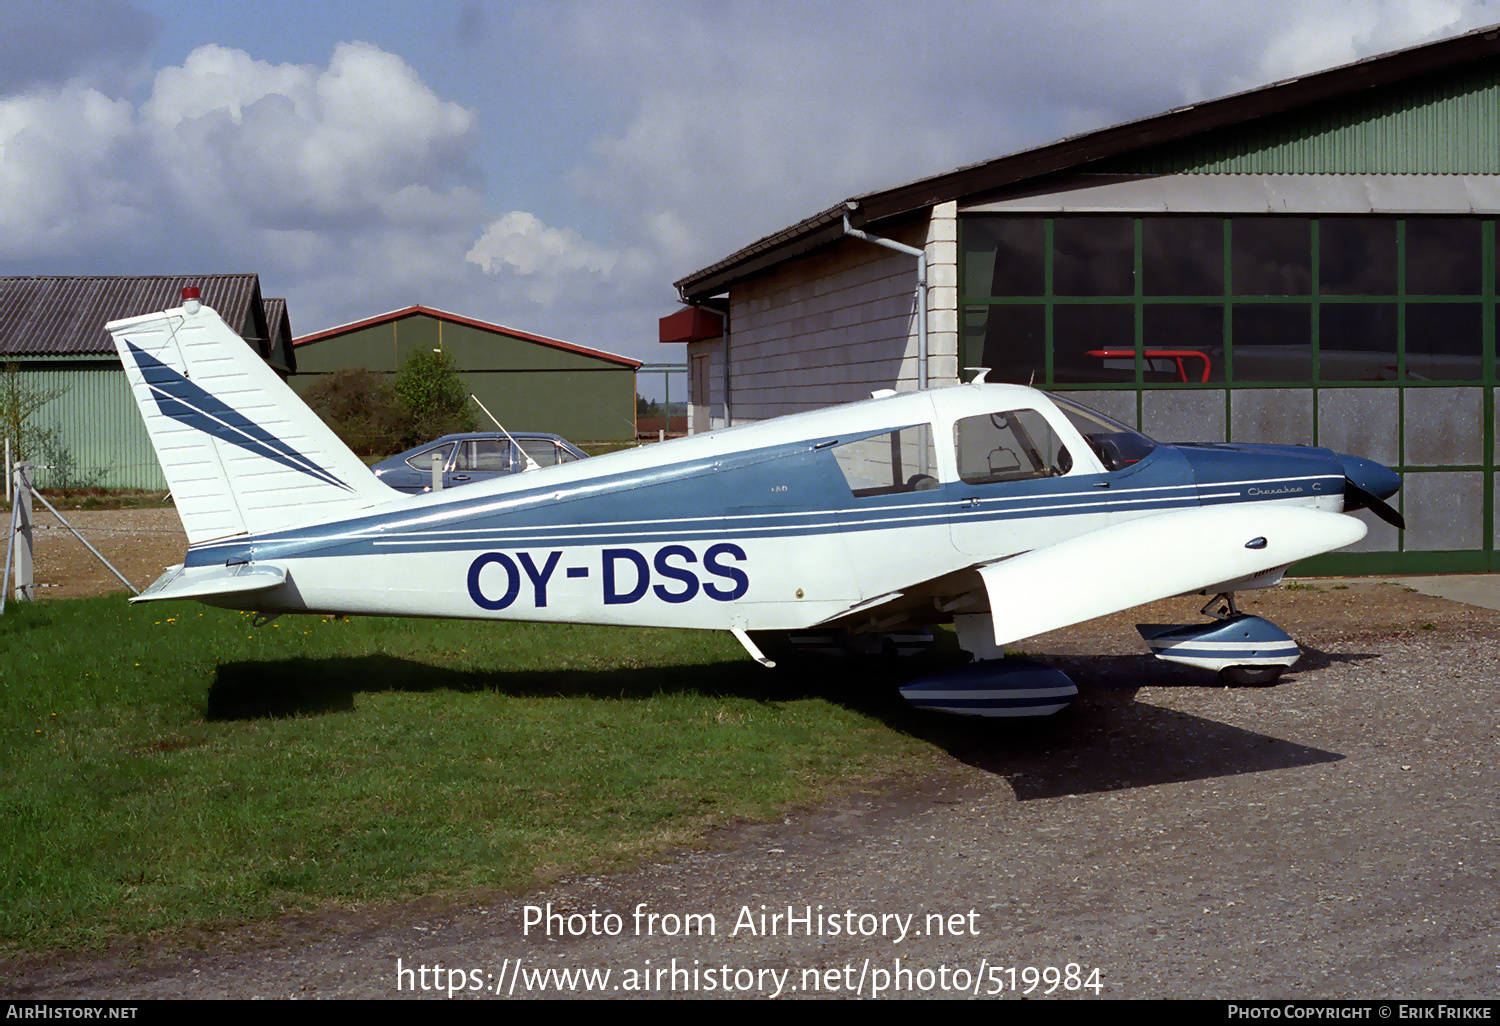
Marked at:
<point>170,766</point>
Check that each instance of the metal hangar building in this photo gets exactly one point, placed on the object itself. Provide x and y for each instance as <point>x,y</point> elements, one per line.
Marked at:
<point>52,334</point>
<point>1309,262</point>
<point>531,382</point>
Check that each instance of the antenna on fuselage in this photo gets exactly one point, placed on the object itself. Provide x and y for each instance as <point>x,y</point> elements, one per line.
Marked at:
<point>531,464</point>
<point>979,376</point>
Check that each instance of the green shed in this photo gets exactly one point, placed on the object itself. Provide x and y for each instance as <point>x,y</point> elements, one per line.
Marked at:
<point>52,333</point>
<point>531,382</point>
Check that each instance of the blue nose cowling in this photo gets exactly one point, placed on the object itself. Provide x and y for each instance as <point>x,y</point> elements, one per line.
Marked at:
<point>1371,477</point>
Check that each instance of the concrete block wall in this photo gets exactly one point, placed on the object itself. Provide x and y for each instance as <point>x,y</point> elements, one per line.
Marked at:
<point>835,326</point>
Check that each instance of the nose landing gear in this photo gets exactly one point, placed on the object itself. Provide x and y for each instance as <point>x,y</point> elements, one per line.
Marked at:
<point>1243,649</point>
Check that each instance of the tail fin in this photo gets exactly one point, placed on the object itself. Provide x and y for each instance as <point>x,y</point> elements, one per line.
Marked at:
<point>240,450</point>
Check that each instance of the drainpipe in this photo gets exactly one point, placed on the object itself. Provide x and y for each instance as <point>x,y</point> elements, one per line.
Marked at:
<point>728,418</point>
<point>921,255</point>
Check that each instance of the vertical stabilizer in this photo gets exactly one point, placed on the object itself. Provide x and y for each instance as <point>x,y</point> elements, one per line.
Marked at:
<point>241,452</point>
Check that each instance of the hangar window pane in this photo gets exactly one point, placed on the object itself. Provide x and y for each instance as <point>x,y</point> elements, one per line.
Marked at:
<point>1004,256</point>
<point>1093,343</point>
<point>1183,343</point>
<point>1182,256</point>
<point>1271,256</point>
<point>1442,256</point>
<point>890,463</point>
<point>1357,342</point>
<point>1093,256</point>
<point>1443,341</point>
<point>1272,342</point>
<point>1357,256</point>
<point>1347,298</point>
<point>1012,446</point>
<point>1010,340</point>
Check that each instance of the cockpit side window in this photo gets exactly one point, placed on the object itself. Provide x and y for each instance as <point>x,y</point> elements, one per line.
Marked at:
<point>1012,446</point>
<point>1116,445</point>
<point>889,463</point>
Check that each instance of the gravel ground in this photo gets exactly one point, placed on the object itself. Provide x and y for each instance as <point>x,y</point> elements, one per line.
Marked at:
<point>1332,836</point>
<point>140,543</point>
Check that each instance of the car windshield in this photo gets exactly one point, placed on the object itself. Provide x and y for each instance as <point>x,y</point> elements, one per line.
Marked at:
<point>1115,444</point>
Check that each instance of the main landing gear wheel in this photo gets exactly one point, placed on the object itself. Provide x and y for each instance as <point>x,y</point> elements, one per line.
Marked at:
<point>1252,676</point>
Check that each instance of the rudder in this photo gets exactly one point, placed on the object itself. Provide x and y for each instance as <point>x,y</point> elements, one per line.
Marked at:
<point>241,452</point>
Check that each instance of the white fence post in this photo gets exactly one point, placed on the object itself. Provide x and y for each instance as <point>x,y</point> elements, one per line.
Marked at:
<point>21,548</point>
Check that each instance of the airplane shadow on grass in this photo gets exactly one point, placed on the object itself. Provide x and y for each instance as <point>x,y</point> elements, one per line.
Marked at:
<point>1107,740</point>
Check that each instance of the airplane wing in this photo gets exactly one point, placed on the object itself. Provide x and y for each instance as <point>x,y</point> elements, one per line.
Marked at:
<point>1153,558</point>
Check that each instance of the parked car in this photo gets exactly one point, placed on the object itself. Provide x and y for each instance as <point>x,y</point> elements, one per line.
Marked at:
<point>474,456</point>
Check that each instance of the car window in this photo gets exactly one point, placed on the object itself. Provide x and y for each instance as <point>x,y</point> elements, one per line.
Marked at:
<point>546,452</point>
<point>422,461</point>
<point>1010,446</point>
<point>490,455</point>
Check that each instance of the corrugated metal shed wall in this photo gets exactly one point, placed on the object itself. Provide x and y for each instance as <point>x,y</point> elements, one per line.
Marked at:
<point>46,320</point>
<point>529,386</point>
<point>1445,124</point>
<point>103,434</point>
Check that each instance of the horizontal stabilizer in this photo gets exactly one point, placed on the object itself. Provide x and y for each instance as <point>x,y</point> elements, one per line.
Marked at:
<point>201,581</point>
<point>1153,558</point>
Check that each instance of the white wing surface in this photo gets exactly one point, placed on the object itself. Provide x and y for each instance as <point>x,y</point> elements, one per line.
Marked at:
<point>1153,558</point>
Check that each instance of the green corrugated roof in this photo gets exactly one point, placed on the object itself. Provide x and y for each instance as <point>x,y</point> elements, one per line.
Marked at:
<point>1448,123</point>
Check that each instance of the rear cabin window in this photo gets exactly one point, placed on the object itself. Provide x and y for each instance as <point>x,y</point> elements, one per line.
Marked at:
<point>890,463</point>
<point>1011,446</point>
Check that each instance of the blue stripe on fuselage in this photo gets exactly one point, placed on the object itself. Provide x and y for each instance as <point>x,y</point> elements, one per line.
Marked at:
<point>783,491</point>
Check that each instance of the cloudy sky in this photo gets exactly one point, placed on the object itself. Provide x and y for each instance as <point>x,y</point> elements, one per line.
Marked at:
<point>554,166</point>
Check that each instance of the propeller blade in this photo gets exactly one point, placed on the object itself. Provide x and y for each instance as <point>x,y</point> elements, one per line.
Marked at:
<point>1356,497</point>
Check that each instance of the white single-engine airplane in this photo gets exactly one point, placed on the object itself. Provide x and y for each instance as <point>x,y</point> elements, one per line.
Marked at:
<point>1000,508</point>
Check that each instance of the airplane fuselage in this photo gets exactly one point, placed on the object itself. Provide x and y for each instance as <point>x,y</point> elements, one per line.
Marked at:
<point>780,525</point>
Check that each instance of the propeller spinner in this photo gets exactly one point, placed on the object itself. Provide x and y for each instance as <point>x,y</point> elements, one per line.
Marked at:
<point>1367,485</point>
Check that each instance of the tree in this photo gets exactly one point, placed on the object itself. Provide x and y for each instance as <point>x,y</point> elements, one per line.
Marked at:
<point>20,402</point>
<point>430,389</point>
<point>362,409</point>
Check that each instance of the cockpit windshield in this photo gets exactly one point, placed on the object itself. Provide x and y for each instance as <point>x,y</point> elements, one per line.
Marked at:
<point>1116,445</point>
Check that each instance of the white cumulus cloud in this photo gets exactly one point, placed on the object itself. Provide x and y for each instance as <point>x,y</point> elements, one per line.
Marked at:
<point>64,175</point>
<point>551,260</point>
